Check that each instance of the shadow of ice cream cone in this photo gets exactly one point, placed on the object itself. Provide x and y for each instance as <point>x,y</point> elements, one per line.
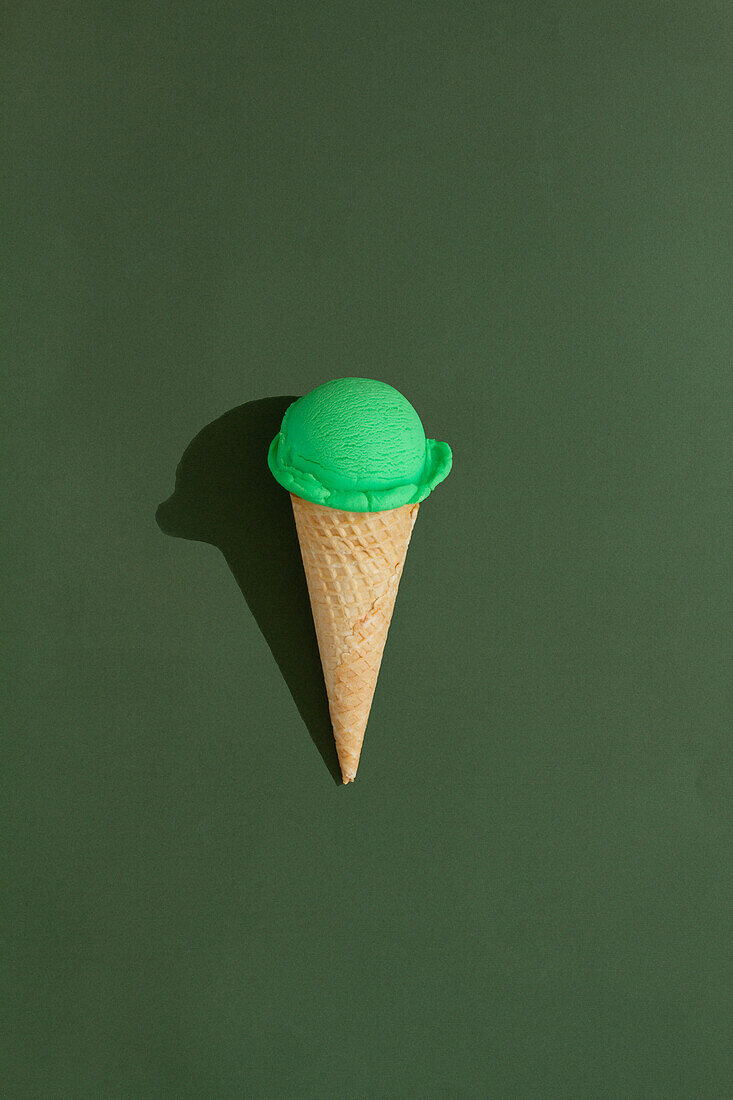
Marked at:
<point>226,496</point>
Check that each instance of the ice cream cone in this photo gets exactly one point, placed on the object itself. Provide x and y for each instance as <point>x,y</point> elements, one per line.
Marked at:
<point>355,458</point>
<point>353,563</point>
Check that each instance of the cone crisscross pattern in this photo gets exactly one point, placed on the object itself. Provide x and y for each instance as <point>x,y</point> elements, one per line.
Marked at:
<point>353,563</point>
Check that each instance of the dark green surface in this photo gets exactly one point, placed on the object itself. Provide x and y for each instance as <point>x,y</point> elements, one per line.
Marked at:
<point>519,215</point>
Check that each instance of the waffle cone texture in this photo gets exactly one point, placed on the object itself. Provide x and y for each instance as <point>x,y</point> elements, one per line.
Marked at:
<point>353,562</point>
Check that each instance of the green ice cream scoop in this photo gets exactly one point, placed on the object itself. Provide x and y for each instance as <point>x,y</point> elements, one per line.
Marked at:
<point>358,445</point>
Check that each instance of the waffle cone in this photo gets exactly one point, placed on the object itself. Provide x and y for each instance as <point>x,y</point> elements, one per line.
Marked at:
<point>353,563</point>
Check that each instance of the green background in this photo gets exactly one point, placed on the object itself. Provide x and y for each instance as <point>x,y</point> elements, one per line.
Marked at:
<point>519,215</point>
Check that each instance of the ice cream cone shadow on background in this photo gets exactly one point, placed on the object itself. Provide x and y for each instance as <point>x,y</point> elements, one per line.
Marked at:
<point>225,495</point>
